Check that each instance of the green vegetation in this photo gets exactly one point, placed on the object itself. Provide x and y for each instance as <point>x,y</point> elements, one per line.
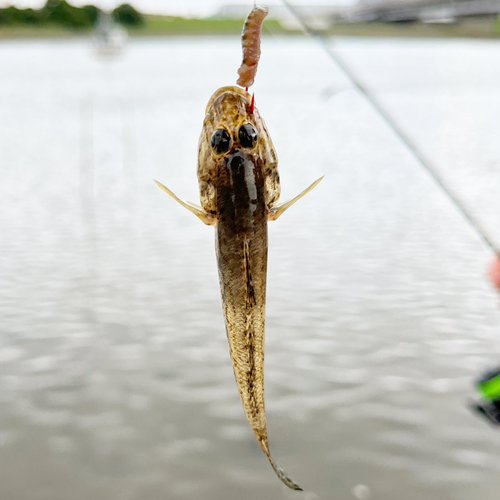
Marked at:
<point>170,26</point>
<point>167,25</point>
<point>61,14</point>
<point>58,18</point>
<point>125,14</point>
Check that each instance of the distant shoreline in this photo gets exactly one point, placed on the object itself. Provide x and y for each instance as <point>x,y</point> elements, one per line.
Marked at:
<point>164,26</point>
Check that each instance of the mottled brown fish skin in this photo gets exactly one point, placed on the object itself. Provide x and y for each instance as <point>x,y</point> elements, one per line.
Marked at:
<point>241,246</point>
<point>229,108</point>
<point>238,188</point>
<point>239,191</point>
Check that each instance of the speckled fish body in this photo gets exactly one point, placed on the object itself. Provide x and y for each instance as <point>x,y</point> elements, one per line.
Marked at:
<point>239,190</point>
<point>241,243</point>
<point>229,109</point>
<point>238,186</point>
<point>241,247</point>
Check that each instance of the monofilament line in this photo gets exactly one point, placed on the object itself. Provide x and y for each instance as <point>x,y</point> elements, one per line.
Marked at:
<point>394,126</point>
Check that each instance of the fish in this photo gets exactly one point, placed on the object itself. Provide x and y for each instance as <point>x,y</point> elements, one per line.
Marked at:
<point>239,188</point>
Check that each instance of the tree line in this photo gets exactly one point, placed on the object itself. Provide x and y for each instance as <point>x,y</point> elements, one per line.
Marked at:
<point>61,13</point>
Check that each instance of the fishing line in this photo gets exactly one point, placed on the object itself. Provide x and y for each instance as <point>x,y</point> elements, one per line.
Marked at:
<point>394,126</point>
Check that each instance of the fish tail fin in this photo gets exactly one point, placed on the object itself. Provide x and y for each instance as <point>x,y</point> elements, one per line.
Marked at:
<point>284,477</point>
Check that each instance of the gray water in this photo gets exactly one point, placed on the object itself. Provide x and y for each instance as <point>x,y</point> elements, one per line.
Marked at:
<point>115,377</point>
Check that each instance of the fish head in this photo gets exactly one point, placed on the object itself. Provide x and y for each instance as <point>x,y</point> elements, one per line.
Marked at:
<point>234,132</point>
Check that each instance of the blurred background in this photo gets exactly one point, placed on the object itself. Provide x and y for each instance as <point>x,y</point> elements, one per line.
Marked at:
<point>115,376</point>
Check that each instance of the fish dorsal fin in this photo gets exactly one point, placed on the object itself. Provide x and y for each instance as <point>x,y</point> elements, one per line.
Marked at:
<point>277,211</point>
<point>205,217</point>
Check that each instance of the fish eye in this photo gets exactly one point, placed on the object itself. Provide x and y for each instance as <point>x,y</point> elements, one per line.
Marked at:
<point>221,141</point>
<point>247,136</point>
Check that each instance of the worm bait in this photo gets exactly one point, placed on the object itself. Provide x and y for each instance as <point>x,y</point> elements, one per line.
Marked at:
<point>250,40</point>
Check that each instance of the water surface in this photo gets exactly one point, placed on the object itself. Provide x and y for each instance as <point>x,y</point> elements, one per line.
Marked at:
<point>115,378</point>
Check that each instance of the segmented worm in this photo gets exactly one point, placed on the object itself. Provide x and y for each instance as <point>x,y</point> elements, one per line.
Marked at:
<point>250,40</point>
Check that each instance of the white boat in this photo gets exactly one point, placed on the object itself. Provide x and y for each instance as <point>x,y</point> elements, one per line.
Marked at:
<point>109,37</point>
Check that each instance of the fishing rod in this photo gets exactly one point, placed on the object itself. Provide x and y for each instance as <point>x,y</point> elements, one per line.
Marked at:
<point>394,126</point>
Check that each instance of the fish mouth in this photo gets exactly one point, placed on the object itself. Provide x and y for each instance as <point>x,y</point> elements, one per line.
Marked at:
<point>237,159</point>
<point>243,181</point>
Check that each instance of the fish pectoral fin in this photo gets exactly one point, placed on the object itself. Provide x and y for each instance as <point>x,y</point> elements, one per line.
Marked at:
<point>205,217</point>
<point>275,212</point>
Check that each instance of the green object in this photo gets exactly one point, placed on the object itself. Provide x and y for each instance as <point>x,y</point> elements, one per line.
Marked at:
<point>490,388</point>
<point>126,14</point>
<point>54,13</point>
